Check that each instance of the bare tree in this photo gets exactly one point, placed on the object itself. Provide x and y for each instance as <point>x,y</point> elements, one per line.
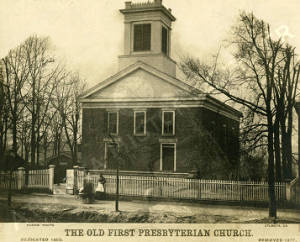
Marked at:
<point>16,74</point>
<point>285,91</point>
<point>4,115</point>
<point>44,75</point>
<point>68,105</point>
<point>260,61</point>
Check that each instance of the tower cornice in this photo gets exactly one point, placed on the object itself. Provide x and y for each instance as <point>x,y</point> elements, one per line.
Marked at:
<point>147,7</point>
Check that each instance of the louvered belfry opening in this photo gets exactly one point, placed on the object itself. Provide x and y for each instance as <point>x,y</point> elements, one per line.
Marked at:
<point>142,37</point>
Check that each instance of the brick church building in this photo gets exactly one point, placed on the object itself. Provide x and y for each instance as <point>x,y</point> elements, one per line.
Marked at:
<point>144,119</point>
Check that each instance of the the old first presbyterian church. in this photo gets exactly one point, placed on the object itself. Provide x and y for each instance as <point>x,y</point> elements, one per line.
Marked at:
<point>145,120</point>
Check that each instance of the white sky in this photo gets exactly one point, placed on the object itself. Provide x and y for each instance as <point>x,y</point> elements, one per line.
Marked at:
<point>89,33</point>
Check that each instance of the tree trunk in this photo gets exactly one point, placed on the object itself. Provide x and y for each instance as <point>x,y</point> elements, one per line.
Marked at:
<point>284,152</point>
<point>32,150</point>
<point>271,180</point>
<point>298,145</point>
<point>289,151</point>
<point>45,151</point>
<point>277,151</point>
<point>9,194</point>
<point>33,120</point>
<point>14,129</point>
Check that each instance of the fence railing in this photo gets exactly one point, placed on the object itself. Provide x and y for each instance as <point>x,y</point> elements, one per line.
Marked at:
<point>33,179</point>
<point>193,189</point>
<point>38,178</point>
<point>5,178</point>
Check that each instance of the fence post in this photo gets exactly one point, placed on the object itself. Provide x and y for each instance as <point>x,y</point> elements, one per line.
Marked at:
<point>21,178</point>
<point>51,177</point>
<point>288,191</point>
<point>75,187</point>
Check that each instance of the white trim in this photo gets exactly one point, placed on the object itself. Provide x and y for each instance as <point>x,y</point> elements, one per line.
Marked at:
<point>112,139</point>
<point>175,158</point>
<point>105,155</point>
<point>132,51</point>
<point>162,105</point>
<point>161,153</point>
<point>167,140</point>
<point>133,100</point>
<point>160,158</point>
<point>117,129</point>
<point>163,120</point>
<point>168,39</point>
<point>134,123</point>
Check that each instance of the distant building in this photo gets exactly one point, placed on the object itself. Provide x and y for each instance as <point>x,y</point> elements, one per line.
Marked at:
<point>62,162</point>
<point>146,119</point>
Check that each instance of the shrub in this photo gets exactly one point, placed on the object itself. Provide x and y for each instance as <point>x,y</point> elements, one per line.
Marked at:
<point>88,194</point>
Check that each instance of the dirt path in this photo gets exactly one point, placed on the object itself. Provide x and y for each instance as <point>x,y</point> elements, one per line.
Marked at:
<point>66,208</point>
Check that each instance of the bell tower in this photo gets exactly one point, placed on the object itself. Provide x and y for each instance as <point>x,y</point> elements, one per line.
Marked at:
<point>147,36</point>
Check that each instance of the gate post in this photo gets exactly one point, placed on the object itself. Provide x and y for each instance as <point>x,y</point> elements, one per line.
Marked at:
<point>70,181</point>
<point>21,176</point>
<point>288,191</point>
<point>51,177</point>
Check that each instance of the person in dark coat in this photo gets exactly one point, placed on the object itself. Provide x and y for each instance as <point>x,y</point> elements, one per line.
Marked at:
<point>102,180</point>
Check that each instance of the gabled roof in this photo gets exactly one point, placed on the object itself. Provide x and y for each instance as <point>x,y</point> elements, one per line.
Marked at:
<point>62,154</point>
<point>108,93</point>
<point>139,65</point>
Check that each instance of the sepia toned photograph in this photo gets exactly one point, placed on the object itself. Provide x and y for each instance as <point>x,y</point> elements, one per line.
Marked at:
<point>150,112</point>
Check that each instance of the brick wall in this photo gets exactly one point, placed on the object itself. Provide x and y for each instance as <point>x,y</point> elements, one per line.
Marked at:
<point>202,142</point>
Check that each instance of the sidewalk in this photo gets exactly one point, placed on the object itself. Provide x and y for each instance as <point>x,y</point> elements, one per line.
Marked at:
<point>213,213</point>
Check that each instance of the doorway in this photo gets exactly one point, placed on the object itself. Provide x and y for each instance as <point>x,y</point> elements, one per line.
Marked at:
<point>168,157</point>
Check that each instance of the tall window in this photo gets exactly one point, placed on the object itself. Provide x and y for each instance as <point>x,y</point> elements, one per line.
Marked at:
<point>113,123</point>
<point>168,123</point>
<point>140,123</point>
<point>164,40</point>
<point>142,37</point>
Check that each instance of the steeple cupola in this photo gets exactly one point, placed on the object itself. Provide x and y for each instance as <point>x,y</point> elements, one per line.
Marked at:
<point>147,35</point>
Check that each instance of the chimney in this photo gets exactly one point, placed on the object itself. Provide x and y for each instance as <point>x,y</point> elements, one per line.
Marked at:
<point>128,4</point>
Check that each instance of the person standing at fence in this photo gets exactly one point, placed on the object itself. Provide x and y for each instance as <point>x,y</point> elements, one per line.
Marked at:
<point>101,186</point>
<point>102,181</point>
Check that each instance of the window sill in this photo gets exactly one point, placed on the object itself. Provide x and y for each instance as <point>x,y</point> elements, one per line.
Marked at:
<point>112,139</point>
<point>168,140</point>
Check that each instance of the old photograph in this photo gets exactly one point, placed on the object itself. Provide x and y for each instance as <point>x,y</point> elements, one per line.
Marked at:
<point>150,112</point>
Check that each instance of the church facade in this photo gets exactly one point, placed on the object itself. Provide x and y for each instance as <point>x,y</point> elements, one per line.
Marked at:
<point>144,119</point>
